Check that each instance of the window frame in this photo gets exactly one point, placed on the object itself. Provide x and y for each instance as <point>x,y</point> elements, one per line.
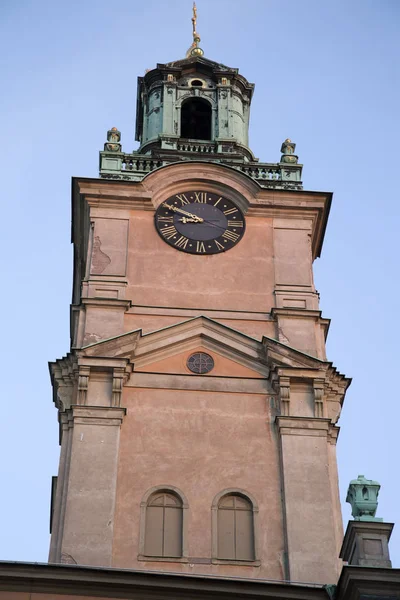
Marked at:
<point>215,559</point>
<point>167,489</point>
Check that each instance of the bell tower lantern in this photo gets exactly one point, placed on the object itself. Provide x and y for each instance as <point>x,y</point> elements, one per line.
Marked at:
<point>196,104</point>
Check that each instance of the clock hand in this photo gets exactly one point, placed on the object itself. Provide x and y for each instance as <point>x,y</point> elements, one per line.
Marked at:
<point>187,220</point>
<point>183,212</point>
<point>213,225</point>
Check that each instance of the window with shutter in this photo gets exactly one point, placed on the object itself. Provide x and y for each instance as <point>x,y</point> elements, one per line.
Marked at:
<point>163,528</point>
<point>235,528</point>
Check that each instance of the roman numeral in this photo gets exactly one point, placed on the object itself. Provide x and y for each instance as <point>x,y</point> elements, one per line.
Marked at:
<point>169,232</point>
<point>219,200</point>
<point>230,211</point>
<point>235,223</point>
<point>182,198</point>
<point>200,247</point>
<point>219,246</point>
<point>230,235</point>
<point>200,197</point>
<point>165,219</point>
<point>182,242</point>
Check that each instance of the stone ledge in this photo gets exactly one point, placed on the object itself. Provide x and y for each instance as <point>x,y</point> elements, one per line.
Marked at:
<point>311,426</point>
<point>98,415</point>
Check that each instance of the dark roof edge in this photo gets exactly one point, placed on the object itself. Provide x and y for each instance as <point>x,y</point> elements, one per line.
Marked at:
<point>121,583</point>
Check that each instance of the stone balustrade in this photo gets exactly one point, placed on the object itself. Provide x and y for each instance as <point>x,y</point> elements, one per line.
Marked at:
<point>134,167</point>
<point>202,147</point>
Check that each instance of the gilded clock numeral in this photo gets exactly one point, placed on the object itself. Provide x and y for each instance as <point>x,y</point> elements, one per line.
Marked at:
<point>178,222</point>
<point>169,232</point>
<point>230,211</point>
<point>182,242</point>
<point>182,198</point>
<point>231,235</point>
<point>200,197</point>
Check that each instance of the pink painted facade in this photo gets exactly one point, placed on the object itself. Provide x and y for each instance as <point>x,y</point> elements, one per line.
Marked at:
<point>135,420</point>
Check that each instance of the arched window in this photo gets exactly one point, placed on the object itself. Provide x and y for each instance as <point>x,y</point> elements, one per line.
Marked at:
<point>163,527</point>
<point>196,119</point>
<point>235,528</point>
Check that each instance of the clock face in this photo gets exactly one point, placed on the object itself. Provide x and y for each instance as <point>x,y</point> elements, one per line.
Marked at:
<point>200,222</point>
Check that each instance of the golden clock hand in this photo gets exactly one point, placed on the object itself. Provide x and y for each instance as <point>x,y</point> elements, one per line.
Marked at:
<point>183,212</point>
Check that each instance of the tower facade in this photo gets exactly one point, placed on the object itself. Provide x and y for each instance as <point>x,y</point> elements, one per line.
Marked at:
<point>197,406</point>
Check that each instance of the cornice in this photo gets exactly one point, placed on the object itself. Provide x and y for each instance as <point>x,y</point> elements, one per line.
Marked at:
<point>108,193</point>
<point>175,177</point>
<point>312,426</point>
<point>373,582</point>
<point>144,585</point>
<point>97,415</point>
<point>107,302</point>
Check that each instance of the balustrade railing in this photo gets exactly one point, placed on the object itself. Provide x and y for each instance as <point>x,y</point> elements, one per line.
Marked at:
<point>267,172</point>
<point>141,164</point>
<point>135,167</point>
<point>203,148</point>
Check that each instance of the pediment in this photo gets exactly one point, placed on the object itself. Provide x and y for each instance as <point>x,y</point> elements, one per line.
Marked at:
<point>226,364</point>
<point>167,350</point>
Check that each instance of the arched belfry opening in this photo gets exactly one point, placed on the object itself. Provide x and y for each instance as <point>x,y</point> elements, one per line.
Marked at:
<point>196,119</point>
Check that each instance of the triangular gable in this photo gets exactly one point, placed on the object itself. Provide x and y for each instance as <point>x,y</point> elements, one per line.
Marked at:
<point>225,364</point>
<point>202,332</point>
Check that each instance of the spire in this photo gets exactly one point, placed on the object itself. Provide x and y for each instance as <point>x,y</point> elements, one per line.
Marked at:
<point>194,49</point>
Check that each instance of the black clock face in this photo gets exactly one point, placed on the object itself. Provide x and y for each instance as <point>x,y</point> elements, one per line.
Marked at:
<point>200,222</point>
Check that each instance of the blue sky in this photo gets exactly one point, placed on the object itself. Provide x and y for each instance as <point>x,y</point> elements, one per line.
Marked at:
<point>326,75</point>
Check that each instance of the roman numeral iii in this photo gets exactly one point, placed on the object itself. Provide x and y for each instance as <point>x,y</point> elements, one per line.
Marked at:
<point>235,223</point>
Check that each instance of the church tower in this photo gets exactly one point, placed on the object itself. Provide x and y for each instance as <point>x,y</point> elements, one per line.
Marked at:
<point>197,406</point>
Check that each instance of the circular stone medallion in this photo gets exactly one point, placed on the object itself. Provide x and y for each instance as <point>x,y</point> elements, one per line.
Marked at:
<point>200,363</point>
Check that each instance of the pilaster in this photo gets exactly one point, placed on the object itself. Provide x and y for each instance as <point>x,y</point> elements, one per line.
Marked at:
<point>88,479</point>
<point>62,486</point>
<point>308,503</point>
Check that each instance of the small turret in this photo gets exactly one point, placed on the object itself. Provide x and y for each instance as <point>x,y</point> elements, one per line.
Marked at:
<point>363,497</point>
<point>366,541</point>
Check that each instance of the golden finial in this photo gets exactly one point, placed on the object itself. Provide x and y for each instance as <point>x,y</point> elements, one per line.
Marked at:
<point>194,49</point>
